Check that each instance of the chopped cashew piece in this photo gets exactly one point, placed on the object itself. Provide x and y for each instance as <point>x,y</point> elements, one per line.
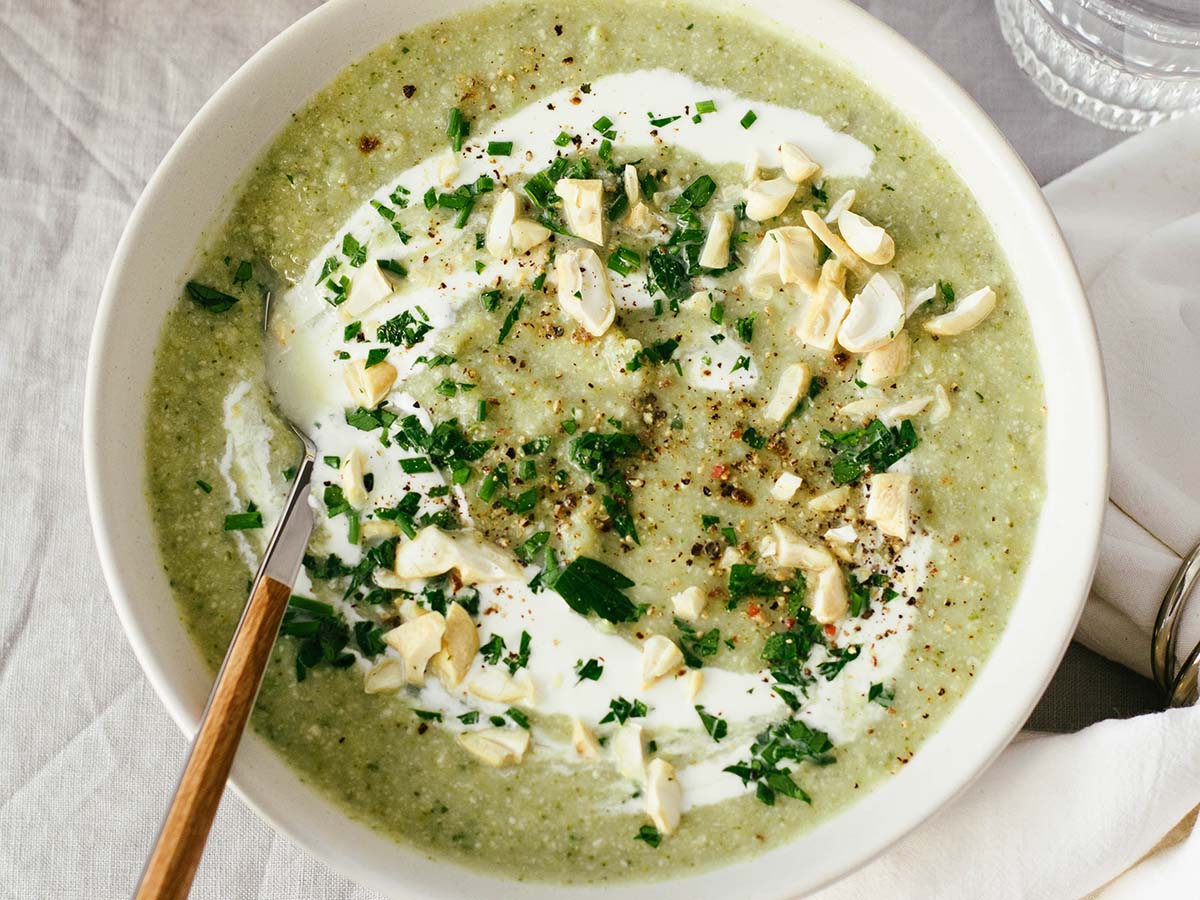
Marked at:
<point>496,746</point>
<point>369,286</point>
<point>862,410</point>
<point>866,239</point>
<point>379,529</point>
<point>919,299</point>
<point>830,599</point>
<point>965,315</point>
<point>798,166</point>
<point>460,643</point>
<point>633,186</point>
<point>840,205</point>
<point>498,238</point>
<point>885,363</point>
<point>629,747</point>
<point>844,534</point>
<point>826,308</point>
<point>715,254</point>
<point>836,245</point>
<point>527,234</point>
<point>941,405</point>
<point>786,255</point>
<point>664,796</point>
<point>888,504</point>
<point>583,291</point>
<point>660,657</point>
<point>907,409</point>
<point>689,604</point>
<point>785,487</point>
<point>768,199</point>
<point>435,552</point>
<point>641,219</point>
<point>497,685</point>
<point>583,207</point>
<point>797,256</point>
<point>351,477</point>
<point>369,387</point>
<point>447,169</point>
<point>792,385</point>
<point>384,677</point>
<point>876,316</point>
<point>582,739</point>
<point>694,681</point>
<point>830,500</point>
<point>792,551</point>
<point>416,642</point>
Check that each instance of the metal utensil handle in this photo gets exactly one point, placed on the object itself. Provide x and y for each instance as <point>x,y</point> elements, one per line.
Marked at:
<point>176,854</point>
<point>1179,683</point>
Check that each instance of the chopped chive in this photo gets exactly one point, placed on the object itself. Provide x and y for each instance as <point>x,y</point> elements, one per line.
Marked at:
<point>749,118</point>
<point>624,260</point>
<point>602,124</point>
<point>511,319</point>
<point>416,465</point>
<point>563,139</point>
<point>457,128</point>
<point>481,411</point>
<point>204,486</point>
<point>393,266</point>
<point>244,521</point>
<point>499,148</point>
<point>334,462</point>
<point>706,106</point>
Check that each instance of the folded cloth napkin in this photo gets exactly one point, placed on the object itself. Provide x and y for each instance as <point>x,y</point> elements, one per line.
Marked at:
<point>1105,812</point>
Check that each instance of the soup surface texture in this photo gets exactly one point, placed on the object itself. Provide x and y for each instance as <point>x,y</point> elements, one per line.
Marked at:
<point>679,437</point>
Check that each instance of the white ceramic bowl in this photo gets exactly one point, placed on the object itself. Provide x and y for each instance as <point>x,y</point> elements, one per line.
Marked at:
<point>144,282</point>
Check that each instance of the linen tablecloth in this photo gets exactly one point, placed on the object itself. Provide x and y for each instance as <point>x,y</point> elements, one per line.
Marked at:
<point>92,94</point>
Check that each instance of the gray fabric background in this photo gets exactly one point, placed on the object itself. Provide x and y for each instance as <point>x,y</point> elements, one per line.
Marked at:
<point>92,94</point>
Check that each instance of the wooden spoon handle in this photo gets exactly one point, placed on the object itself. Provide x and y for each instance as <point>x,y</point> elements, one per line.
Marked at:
<point>172,863</point>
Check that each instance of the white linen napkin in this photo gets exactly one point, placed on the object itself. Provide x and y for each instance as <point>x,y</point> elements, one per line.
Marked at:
<point>1069,816</point>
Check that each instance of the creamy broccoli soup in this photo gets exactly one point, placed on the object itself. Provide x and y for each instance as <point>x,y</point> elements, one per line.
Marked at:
<point>679,437</point>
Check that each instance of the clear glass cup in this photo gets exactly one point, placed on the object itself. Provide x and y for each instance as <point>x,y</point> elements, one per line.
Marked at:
<point>1124,64</point>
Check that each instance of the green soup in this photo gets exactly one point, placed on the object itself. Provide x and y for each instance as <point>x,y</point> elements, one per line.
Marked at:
<point>631,470</point>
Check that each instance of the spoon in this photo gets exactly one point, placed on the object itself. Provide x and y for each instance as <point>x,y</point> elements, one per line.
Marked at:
<point>172,863</point>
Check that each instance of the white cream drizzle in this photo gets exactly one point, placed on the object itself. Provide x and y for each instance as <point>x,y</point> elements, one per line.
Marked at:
<point>308,376</point>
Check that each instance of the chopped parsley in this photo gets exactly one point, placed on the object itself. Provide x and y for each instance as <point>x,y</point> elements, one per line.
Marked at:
<point>375,356</point>
<point>621,711</point>
<point>355,253</point>
<point>790,740</point>
<point>695,646</point>
<point>590,587</point>
<point>588,671</point>
<point>875,447</point>
<point>210,298</point>
<point>405,329</point>
<point>649,835</point>
<point>716,727</point>
<point>877,693</point>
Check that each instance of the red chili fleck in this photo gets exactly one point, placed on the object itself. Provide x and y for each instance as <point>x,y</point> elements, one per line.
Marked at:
<point>720,471</point>
<point>830,630</point>
<point>753,610</point>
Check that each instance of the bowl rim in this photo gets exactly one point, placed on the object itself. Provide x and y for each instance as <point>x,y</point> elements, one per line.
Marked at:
<point>1089,495</point>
